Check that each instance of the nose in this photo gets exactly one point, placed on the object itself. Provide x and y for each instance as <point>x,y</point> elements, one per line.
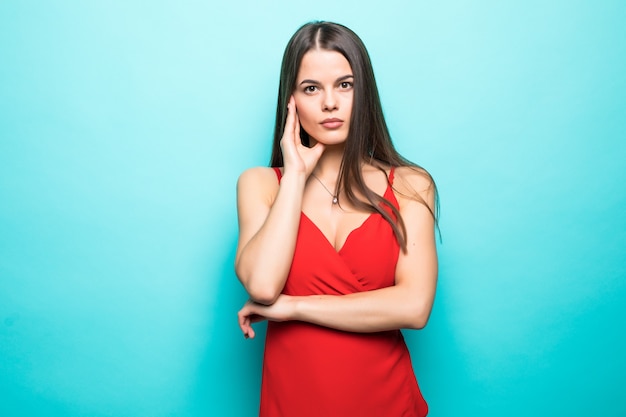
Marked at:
<point>330,101</point>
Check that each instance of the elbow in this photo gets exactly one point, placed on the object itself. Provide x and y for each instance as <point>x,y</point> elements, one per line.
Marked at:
<point>418,318</point>
<point>259,290</point>
<point>418,323</point>
<point>265,296</point>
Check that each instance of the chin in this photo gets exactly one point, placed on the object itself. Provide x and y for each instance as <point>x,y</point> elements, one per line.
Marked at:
<point>335,138</point>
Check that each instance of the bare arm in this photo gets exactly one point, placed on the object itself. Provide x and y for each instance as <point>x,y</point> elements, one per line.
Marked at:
<point>268,225</point>
<point>269,216</point>
<point>407,304</point>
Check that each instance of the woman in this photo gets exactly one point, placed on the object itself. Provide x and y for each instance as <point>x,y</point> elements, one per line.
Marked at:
<point>336,241</point>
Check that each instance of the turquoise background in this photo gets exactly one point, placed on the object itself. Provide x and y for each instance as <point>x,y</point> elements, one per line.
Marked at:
<point>123,129</point>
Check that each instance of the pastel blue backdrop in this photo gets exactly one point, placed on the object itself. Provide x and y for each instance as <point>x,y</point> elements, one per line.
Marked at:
<point>124,126</point>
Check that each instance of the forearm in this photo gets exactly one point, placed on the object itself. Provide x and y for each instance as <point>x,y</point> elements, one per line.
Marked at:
<point>372,311</point>
<point>263,263</point>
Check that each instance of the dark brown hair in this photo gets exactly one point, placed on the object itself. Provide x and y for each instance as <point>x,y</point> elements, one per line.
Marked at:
<point>368,138</point>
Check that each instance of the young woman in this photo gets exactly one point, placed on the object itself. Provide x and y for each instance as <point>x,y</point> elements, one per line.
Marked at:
<point>336,241</point>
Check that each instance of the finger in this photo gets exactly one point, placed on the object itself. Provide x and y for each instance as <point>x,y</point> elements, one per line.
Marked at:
<point>243,321</point>
<point>296,123</point>
<point>248,329</point>
<point>291,110</point>
<point>318,150</point>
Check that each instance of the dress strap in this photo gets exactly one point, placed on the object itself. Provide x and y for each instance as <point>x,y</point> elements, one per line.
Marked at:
<point>391,171</point>
<point>278,173</point>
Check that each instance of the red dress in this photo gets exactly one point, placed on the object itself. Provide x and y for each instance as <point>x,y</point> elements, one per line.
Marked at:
<point>314,371</point>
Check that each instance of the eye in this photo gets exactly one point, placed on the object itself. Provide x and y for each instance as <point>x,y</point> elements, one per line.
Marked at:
<point>310,89</point>
<point>345,85</point>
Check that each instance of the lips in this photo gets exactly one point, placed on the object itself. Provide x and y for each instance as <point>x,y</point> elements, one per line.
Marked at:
<point>332,123</point>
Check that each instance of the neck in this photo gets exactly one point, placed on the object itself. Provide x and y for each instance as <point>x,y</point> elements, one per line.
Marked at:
<point>329,163</point>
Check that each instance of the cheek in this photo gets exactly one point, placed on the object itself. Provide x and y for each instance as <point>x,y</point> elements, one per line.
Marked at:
<point>305,116</point>
<point>349,103</point>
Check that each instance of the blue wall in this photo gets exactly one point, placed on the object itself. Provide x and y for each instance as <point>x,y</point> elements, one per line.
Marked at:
<point>124,126</point>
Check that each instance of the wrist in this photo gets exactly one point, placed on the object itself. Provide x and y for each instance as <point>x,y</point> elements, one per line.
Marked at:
<point>295,306</point>
<point>293,179</point>
<point>294,173</point>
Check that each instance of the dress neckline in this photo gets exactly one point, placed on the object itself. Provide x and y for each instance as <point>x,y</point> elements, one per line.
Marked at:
<point>388,194</point>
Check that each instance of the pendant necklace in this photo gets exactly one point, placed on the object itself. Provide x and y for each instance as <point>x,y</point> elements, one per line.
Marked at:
<point>334,196</point>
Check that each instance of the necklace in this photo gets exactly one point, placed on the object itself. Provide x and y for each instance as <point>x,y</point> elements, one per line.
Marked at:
<point>334,196</point>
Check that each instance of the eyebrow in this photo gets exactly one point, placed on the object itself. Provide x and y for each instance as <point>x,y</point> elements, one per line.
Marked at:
<point>340,79</point>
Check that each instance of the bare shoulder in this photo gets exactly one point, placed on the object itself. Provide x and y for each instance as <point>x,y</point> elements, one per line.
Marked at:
<point>258,183</point>
<point>258,176</point>
<point>414,184</point>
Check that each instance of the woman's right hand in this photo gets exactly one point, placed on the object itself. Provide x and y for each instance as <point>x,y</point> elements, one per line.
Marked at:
<point>296,156</point>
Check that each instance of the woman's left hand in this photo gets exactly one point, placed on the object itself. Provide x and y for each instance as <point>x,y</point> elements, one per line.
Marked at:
<point>251,312</point>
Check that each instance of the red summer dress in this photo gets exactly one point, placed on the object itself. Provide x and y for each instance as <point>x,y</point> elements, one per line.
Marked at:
<point>314,371</point>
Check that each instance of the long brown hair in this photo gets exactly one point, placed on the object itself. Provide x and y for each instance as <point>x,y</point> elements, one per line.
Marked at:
<point>368,138</point>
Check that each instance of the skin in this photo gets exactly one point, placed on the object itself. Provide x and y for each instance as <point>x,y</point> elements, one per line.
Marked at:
<point>270,213</point>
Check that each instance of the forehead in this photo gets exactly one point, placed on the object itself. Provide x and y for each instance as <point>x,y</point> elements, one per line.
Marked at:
<point>321,64</point>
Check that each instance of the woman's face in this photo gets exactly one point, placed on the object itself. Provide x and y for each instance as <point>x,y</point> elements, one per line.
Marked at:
<point>323,95</point>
